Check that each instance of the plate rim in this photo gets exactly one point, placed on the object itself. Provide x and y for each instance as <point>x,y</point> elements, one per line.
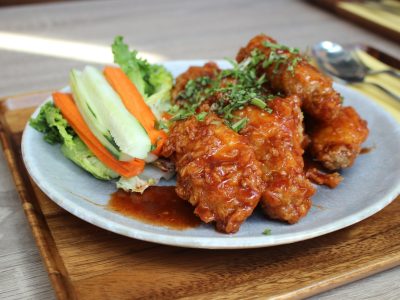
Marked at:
<point>235,242</point>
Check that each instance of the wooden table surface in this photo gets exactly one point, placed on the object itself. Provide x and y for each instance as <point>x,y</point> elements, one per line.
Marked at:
<point>39,44</point>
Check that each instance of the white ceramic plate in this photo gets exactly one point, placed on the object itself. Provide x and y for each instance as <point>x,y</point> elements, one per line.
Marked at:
<point>371,184</point>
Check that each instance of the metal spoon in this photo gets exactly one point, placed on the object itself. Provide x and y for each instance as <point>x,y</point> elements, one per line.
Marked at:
<point>345,66</point>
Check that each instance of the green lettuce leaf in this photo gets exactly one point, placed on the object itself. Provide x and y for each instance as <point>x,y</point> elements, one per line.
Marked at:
<point>80,154</point>
<point>135,68</point>
<point>153,81</point>
<point>51,123</point>
<point>56,130</point>
<point>162,82</point>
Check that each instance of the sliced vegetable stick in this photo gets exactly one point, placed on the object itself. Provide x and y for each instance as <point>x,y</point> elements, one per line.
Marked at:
<point>136,105</point>
<point>71,113</point>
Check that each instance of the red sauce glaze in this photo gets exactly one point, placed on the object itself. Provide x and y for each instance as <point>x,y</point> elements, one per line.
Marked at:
<point>158,205</point>
<point>366,150</point>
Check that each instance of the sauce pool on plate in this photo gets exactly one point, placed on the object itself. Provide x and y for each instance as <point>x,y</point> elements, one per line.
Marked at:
<point>158,205</point>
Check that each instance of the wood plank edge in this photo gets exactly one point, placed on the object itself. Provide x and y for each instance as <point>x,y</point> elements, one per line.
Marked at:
<point>375,28</point>
<point>343,279</point>
<point>366,24</point>
<point>26,94</point>
<point>41,233</point>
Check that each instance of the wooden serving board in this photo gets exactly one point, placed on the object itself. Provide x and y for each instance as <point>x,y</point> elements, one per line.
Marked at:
<point>333,6</point>
<point>86,262</point>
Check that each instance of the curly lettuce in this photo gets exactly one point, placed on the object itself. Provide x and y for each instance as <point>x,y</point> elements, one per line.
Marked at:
<point>80,154</point>
<point>51,123</point>
<point>151,175</point>
<point>56,130</point>
<point>154,82</point>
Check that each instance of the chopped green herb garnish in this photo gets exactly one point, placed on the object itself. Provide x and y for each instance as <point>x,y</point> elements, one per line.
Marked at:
<point>174,109</point>
<point>293,64</point>
<point>267,232</point>
<point>258,102</point>
<point>239,125</point>
<point>193,87</point>
<point>201,116</point>
<point>235,88</point>
<point>278,58</point>
<point>215,122</point>
<point>281,47</point>
<point>162,125</point>
<point>182,115</point>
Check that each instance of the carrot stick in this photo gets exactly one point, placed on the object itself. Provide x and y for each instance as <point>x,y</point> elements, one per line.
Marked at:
<point>71,113</point>
<point>136,105</point>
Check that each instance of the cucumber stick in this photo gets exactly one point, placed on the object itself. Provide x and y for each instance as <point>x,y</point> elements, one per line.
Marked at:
<point>90,113</point>
<point>115,121</point>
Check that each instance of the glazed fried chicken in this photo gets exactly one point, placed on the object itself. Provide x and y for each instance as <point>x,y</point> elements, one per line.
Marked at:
<point>234,141</point>
<point>290,74</point>
<point>337,133</point>
<point>317,176</point>
<point>217,171</point>
<point>337,143</point>
<point>276,138</point>
<point>210,70</point>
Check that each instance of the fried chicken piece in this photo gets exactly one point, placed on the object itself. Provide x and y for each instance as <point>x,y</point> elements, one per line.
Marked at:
<point>210,70</point>
<point>276,139</point>
<point>337,143</point>
<point>216,171</point>
<point>317,174</point>
<point>295,76</point>
<point>319,177</point>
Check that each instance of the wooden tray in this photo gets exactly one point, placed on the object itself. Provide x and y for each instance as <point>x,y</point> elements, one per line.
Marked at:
<point>86,262</point>
<point>333,7</point>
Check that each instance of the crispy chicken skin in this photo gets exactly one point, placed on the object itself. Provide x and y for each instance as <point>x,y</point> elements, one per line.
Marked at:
<point>217,171</point>
<point>319,99</point>
<point>210,69</point>
<point>337,143</point>
<point>317,174</point>
<point>277,141</point>
<point>319,177</point>
<point>224,174</point>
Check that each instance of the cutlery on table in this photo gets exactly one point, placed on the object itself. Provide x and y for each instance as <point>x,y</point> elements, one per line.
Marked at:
<point>345,65</point>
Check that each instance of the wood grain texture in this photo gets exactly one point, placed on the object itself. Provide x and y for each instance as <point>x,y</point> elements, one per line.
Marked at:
<point>333,7</point>
<point>21,2</point>
<point>86,262</point>
<point>175,30</point>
